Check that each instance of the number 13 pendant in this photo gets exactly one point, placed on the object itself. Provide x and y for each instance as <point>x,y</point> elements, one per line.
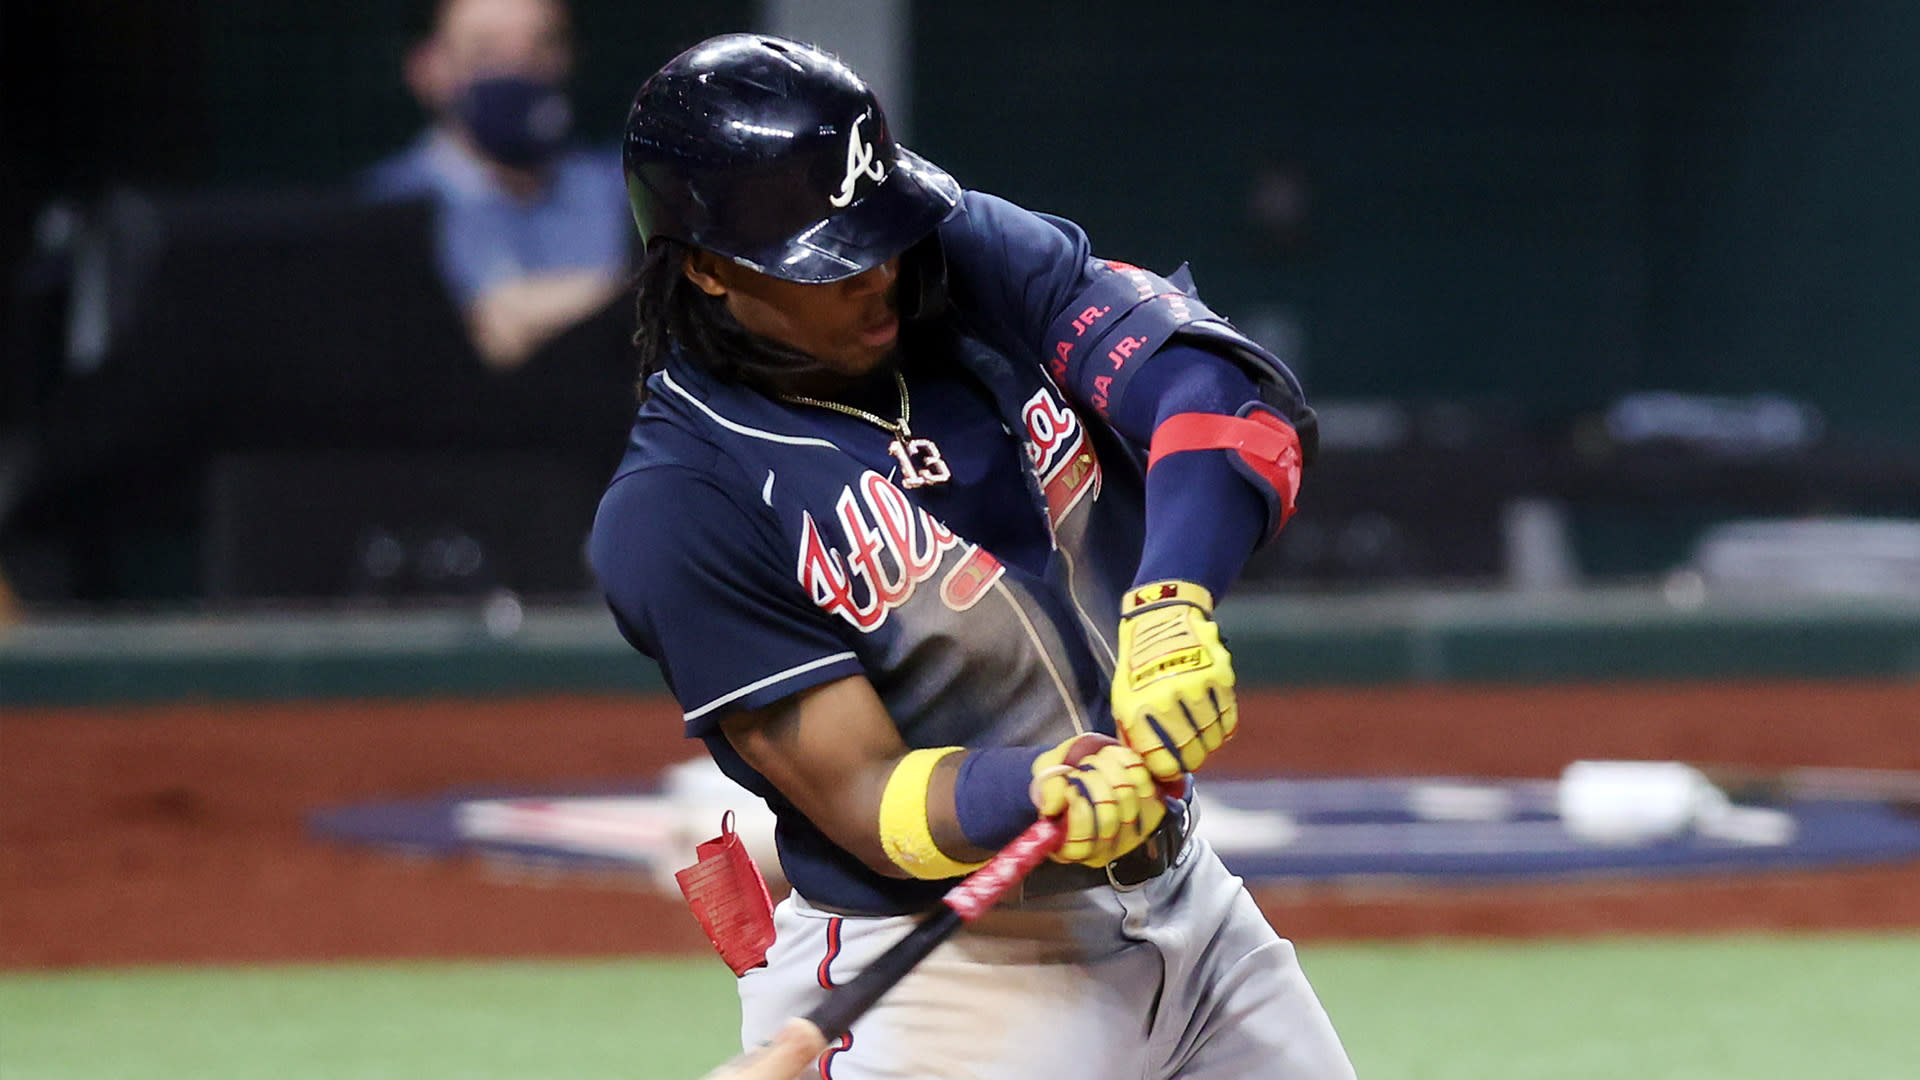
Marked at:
<point>920,463</point>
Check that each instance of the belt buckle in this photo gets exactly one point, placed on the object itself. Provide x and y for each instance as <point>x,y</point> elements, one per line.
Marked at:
<point>1129,886</point>
<point>1157,853</point>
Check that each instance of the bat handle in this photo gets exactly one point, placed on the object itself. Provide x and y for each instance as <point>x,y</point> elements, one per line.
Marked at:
<point>962,904</point>
<point>851,1001</point>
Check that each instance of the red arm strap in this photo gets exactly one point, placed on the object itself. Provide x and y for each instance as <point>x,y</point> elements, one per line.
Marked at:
<point>1268,448</point>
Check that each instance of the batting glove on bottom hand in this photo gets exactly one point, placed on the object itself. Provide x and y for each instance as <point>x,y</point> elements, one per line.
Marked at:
<point>1108,798</point>
<point>1173,683</point>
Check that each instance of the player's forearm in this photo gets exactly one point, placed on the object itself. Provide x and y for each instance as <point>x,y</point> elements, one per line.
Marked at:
<point>1203,516</point>
<point>939,812</point>
<point>833,751</point>
<point>946,809</point>
<point>1203,521</point>
<point>830,751</point>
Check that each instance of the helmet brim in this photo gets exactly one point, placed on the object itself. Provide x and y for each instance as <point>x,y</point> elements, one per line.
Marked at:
<point>911,202</point>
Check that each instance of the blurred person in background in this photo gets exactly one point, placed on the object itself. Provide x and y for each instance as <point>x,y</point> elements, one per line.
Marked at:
<point>533,230</point>
<point>314,323</point>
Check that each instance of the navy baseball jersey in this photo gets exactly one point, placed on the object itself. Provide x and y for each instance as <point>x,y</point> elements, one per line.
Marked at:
<point>756,547</point>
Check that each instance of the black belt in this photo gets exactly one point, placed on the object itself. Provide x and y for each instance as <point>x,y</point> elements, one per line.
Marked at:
<point>1155,854</point>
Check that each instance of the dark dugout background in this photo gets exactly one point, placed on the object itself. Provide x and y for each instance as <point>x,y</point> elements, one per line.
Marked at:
<point>1555,200</point>
<point>1529,207</point>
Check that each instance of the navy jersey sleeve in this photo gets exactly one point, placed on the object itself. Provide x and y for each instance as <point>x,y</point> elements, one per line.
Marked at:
<point>1013,271</point>
<point>698,583</point>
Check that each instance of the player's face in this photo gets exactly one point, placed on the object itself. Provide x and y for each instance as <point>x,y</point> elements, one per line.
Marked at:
<point>850,326</point>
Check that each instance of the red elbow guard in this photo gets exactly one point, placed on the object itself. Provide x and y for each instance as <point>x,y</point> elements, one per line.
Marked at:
<point>1268,450</point>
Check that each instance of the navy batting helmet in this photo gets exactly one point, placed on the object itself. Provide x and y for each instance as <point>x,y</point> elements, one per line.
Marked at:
<point>777,156</point>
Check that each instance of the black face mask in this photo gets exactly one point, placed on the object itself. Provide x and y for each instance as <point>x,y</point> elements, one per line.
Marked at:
<point>516,121</point>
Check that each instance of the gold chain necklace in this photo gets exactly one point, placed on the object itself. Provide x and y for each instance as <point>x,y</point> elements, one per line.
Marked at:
<point>920,462</point>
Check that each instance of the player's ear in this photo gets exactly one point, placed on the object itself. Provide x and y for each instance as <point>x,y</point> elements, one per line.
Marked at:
<point>703,268</point>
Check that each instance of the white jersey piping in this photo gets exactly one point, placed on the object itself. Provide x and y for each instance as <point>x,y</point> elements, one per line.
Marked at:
<point>1113,659</point>
<point>778,676</point>
<point>735,426</point>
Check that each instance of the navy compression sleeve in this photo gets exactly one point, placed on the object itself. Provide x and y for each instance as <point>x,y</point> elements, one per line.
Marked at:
<point>1203,517</point>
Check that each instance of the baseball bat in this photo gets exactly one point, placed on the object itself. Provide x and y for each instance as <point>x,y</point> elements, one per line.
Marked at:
<point>805,1038</point>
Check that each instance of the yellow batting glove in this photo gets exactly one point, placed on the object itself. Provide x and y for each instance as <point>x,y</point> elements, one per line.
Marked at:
<point>1104,794</point>
<point>1173,684</point>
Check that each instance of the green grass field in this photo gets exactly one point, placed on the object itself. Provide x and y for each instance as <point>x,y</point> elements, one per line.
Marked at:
<point>1743,1008</point>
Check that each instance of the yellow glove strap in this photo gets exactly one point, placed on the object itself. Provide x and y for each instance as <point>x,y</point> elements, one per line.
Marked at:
<point>1161,593</point>
<point>1154,646</point>
<point>905,833</point>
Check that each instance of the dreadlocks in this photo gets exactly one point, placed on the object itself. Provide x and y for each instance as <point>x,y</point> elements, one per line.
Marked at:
<point>672,312</point>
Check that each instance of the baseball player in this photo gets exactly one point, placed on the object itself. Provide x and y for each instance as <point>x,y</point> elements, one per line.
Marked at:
<point>923,516</point>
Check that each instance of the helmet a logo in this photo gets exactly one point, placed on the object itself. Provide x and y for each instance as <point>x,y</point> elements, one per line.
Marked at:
<point>860,162</point>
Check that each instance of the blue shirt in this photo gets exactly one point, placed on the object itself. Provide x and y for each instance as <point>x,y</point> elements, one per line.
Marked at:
<point>486,235</point>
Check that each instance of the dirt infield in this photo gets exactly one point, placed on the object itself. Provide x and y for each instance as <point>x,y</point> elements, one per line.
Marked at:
<point>175,834</point>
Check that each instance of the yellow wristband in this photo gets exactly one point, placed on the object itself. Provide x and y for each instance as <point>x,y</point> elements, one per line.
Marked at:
<point>905,833</point>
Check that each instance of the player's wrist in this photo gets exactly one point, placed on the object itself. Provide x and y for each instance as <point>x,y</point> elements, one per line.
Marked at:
<point>990,799</point>
<point>945,808</point>
<point>906,822</point>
